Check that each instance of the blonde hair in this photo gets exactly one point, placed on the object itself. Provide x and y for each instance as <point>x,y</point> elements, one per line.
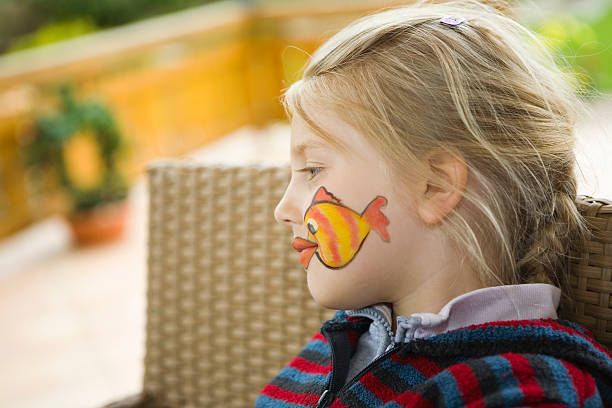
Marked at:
<point>484,90</point>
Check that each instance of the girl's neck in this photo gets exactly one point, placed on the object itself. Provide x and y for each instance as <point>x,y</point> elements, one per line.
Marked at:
<point>422,300</point>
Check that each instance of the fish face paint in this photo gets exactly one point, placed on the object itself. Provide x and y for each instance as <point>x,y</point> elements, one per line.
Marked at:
<point>335,232</point>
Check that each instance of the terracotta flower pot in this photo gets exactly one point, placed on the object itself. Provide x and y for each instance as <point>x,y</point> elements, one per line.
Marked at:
<point>102,224</point>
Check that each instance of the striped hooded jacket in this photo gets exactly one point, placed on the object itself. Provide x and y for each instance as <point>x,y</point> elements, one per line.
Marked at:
<point>533,362</point>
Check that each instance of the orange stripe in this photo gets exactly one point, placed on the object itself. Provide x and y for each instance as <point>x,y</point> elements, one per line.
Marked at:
<point>350,219</point>
<point>323,221</point>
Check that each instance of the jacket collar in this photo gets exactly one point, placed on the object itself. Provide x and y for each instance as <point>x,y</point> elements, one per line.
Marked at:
<point>558,338</point>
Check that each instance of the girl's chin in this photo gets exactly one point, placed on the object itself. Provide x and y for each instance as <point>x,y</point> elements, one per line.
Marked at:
<point>326,294</point>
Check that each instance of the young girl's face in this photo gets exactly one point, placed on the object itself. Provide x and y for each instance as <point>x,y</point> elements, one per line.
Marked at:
<point>355,235</point>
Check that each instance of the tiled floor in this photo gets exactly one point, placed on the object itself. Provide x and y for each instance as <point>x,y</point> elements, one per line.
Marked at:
<point>72,320</point>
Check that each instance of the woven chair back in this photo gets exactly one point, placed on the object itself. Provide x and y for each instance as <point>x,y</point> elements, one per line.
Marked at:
<point>591,272</point>
<point>227,301</point>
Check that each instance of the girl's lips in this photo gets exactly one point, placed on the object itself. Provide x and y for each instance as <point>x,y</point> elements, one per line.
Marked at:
<point>305,248</point>
<point>300,244</point>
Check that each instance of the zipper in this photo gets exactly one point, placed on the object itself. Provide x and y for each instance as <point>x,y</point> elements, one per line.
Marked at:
<point>340,363</point>
<point>328,397</point>
<point>323,399</point>
<point>330,393</point>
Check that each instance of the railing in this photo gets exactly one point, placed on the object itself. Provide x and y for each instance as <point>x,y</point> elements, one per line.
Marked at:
<point>176,83</point>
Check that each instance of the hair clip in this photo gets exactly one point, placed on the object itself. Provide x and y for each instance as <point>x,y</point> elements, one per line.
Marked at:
<point>452,21</point>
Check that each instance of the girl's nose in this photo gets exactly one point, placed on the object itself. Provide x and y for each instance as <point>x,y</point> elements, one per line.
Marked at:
<point>286,212</point>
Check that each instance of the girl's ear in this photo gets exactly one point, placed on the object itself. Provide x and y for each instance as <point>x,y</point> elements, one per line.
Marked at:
<point>434,202</point>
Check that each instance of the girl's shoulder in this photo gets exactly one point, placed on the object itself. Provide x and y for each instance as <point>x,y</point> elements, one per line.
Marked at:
<point>555,337</point>
<point>513,363</point>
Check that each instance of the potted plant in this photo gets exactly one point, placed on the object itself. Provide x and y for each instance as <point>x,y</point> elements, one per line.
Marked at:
<point>81,143</point>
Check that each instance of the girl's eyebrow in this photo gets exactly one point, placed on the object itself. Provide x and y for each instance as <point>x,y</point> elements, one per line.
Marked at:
<point>310,144</point>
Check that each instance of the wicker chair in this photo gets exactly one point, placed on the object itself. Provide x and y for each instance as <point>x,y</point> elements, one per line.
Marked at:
<point>227,302</point>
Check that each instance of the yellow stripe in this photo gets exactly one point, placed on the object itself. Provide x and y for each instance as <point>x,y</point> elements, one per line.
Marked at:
<point>364,228</point>
<point>343,231</point>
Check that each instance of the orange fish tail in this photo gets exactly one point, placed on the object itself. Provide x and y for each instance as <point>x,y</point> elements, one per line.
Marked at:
<point>377,220</point>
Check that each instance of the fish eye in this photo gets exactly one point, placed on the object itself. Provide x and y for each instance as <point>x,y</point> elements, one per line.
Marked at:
<point>312,226</point>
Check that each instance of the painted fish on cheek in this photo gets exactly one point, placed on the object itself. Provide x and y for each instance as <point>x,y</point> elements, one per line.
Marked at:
<point>335,232</point>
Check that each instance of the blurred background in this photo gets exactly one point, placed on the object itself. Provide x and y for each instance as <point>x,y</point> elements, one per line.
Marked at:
<point>91,91</point>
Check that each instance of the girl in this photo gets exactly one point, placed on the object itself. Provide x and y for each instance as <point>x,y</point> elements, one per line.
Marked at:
<point>432,203</point>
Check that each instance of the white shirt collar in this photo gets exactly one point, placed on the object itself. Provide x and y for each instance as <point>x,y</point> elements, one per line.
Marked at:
<point>495,303</point>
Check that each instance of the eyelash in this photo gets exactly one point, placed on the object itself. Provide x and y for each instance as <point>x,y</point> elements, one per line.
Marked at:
<point>310,169</point>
